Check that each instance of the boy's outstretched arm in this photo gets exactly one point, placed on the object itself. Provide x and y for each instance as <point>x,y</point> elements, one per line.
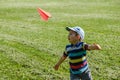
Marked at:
<point>56,67</point>
<point>94,47</point>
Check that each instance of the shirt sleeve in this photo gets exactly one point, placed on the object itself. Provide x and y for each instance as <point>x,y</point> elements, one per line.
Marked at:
<point>65,54</point>
<point>85,46</point>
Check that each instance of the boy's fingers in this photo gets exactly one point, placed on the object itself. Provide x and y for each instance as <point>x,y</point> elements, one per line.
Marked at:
<point>55,67</point>
<point>97,46</point>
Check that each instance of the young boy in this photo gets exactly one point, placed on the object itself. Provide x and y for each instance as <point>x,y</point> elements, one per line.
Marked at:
<point>76,51</point>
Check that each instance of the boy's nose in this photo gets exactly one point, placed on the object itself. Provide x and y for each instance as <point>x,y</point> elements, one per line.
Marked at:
<point>68,38</point>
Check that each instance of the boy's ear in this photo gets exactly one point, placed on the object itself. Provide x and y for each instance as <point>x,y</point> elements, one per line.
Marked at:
<point>78,36</point>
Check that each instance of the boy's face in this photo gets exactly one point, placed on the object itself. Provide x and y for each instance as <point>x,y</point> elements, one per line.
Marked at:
<point>73,37</point>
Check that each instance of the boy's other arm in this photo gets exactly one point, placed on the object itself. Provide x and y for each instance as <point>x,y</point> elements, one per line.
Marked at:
<point>56,67</point>
<point>94,47</point>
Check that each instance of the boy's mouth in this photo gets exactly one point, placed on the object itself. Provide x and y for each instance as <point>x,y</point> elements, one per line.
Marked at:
<point>69,39</point>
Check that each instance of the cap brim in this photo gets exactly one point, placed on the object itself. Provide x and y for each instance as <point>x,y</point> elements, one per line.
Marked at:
<point>68,29</point>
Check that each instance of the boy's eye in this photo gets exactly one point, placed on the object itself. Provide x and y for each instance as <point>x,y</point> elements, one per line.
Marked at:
<point>71,34</point>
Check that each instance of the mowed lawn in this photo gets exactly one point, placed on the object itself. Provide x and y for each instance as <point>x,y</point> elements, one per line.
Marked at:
<point>30,47</point>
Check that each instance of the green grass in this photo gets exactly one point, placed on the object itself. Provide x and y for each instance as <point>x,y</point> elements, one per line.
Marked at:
<point>30,47</point>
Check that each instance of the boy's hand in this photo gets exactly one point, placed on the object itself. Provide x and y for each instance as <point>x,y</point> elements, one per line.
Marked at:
<point>56,67</point>
<point>97,46</point>
<point>94,47</point>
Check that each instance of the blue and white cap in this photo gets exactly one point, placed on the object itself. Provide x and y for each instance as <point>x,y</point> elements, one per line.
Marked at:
<point>78,30</point>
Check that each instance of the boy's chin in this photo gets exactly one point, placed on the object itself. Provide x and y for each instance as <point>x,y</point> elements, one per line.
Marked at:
<point>71,42</point>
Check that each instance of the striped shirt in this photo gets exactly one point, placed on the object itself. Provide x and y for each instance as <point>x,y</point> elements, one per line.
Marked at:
<point>77,57</point>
